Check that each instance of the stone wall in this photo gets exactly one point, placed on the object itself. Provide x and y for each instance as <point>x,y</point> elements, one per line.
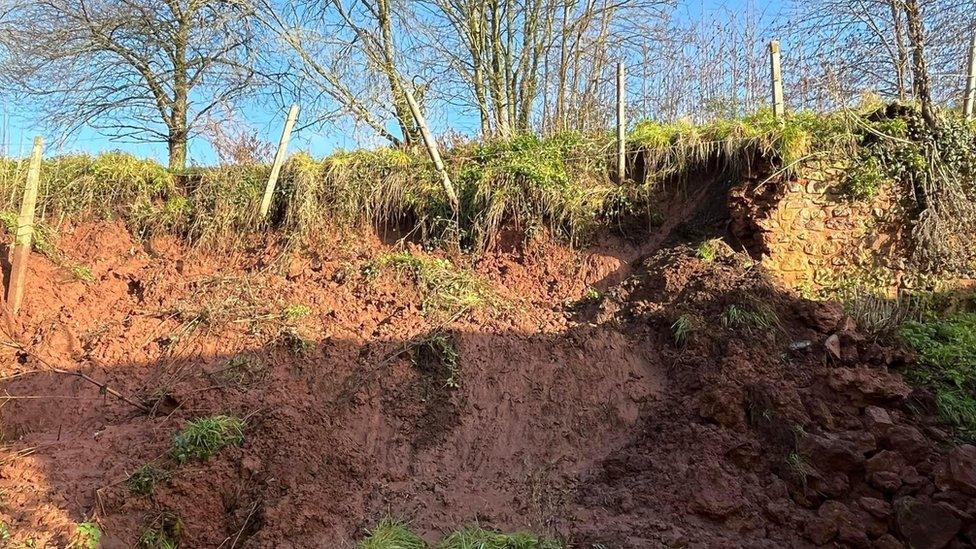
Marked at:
<point>813,237</point>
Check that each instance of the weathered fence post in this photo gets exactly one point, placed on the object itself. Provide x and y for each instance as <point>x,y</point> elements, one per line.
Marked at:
<point>969,101</point>
<point>279,159</point>
<point>431,145</point>
<point>779,109</point>
<point>621,125</point>
<point>25,229</point>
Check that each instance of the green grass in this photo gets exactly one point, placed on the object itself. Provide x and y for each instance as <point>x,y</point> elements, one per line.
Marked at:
<point>394,534</point>
<point>391,534</point>
<point>707,251</point>
<point>205,437</point>
<point>746,318</point>
<point>445,289</point>
<point>479,538</point>
<point>560,182</point>
<point>684,328</point>
<point>87,536</point>
<point>947,365</point>
<point>143,481</point>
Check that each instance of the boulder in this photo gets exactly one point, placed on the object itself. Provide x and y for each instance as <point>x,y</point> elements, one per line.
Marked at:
<point>926,525</point>
<point>887,541</point>
<point>958,470</point>
<point>877,420</point>
<point>885,470</point>
<point>829,453</point>
<point>865,386</point>
<point>907,441</point>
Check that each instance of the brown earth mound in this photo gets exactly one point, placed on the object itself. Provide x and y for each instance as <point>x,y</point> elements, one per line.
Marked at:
<point>573,415</point>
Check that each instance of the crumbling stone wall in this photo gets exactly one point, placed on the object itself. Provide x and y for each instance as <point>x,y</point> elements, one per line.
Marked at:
<point>813,236</point>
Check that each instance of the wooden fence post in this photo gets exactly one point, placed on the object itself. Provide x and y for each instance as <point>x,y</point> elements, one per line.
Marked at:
<point>779,109</point>
<point>25,229</point>
<point>279,159</point>
<point>621,125</point>
<point>969,103</point>
<point>431,145</point>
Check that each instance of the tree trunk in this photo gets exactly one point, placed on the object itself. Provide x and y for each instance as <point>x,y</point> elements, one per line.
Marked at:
<point>921,85</point>
<point>177,122</point>
<point>401,108</point>
<point>902,61</point>
<point>177,150</point>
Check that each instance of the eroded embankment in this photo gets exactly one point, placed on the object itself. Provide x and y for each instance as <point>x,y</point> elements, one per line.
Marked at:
<point>344,425</point>
<point>690,403</point>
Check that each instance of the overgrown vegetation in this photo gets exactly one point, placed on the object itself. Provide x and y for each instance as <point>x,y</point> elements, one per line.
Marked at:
<point>201,439</point>
<point>947,365</point>
<point>393,534</point>
<point>560,182</point>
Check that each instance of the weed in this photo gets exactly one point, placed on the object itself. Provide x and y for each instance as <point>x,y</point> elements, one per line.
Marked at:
<point>143,481</point>
<point>242,370</point>
<point>438,353</point>
<point>294,313</point>
<point>479,538</point>
<point>391,534</point>
<point>204,437</point>
<point>163,532</point>
<point>445,288</point>
<point>684,327</point>
<point>87,536</point>
<point>294,341</point>
<point>706,251</point>
<point>799,467</point>
<point>947,365</point>
<point>83,273</point>
<point>593,294</point>
<point>4,531</point>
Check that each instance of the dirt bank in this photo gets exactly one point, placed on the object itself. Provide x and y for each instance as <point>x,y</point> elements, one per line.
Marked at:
<point>569,412</point>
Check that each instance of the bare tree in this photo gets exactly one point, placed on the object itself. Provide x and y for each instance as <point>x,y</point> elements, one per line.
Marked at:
<point>144,70</point>
<point>848,48</point>
<point>347,61</point>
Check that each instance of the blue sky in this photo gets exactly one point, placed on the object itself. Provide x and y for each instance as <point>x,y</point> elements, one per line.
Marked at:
<point>17,128</point>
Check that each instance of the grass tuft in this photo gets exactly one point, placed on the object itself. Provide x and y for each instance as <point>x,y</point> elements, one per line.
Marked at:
<point>479,538</point>
<point>391,534</point>
<point>203,438</point>
<point>684,328</point>
<point>760,318</point>
<point>163,532</point>
<point>438,354</point>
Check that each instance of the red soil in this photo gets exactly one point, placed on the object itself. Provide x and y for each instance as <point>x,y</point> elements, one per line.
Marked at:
<point>574,418</point>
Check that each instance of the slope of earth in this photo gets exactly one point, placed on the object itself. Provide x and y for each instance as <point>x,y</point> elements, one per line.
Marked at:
<point>344,425</point>
<point>545,407</point>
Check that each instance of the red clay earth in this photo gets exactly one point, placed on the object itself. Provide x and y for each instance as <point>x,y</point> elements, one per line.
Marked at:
<point>580,418</point>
